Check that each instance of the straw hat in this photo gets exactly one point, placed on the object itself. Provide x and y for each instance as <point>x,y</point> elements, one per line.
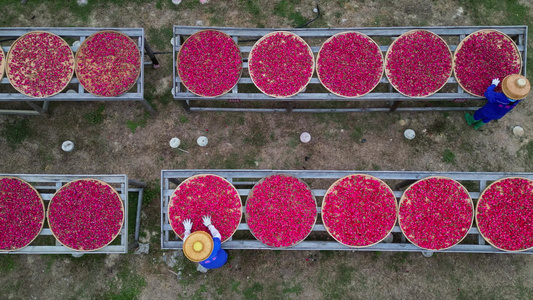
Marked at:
<point>515,86</point>
<point>198,246</point>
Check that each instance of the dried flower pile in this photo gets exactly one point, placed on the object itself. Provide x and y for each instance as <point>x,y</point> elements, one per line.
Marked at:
<point>418,63</point>
<point>359,210</point>
<point>21,214</point>
<point>436,213</point>
<point>504,214</point>
<point>281,64</point>
<point>2,62</point>
<point>281,211</point>
<point>85,214</point>
<point>209,63</point>
<point>205,195</point>
<point>483,56</point>
<point>350,64</point>
<point>40,64</point>
<point>108,63</point>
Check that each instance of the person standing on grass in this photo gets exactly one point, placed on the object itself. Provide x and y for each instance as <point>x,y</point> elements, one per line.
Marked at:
<point>201,247</point>
<point>515,88</point>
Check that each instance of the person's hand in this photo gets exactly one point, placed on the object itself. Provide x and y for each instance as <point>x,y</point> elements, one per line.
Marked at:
<point>495,81</point>
<point>207,220</point>
<point>187,223</point>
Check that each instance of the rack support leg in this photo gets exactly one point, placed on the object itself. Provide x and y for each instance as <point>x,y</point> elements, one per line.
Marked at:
<point>151,54</point>
<point>185,104</point>
<point>36,107</point>
<point>148,106</point>
<point>395,106</point>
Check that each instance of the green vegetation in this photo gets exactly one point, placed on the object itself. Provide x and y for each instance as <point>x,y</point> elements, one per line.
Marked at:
<point>134,124</point>
<point>448,156</point>
<point>295,289</point>
<point>95,117</point>
<point>129,286</point>
<point>285,8</point>
<point>335,285</point>
<point>256,137</point>
<point>183,119</point>
<point>356,134</point>
<point>529,152</point>
<point>235,285</point>
<point>251,6</point>
<point>189,273</point>
<point>160,38</point>
<point>252,291</point>
<point>397,260</point>
<point>199,293</point>
<point>7,263</point>
<point>16,132</point>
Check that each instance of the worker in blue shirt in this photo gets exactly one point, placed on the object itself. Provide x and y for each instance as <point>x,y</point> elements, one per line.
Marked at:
<point>202,247</point>
<point>515,87</point>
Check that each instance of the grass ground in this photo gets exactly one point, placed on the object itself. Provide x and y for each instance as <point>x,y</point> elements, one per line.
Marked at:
<point>122,138</point>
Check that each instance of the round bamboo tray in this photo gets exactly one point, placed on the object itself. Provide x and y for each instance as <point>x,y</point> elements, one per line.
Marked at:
<point>387,72</point>
<point>477,212</point>
<point>330,190</point>
<point>65,81</point>
<point>251,61</point>
<point>250,194</point>
<point>66,186</point>
<point>170,204</point>
<point>2,62</point>
<point>329,40</point>
<point>89,86</point>
<point>42,204</point>
<point>403,199</point>
<point>180,75</point>
<point>470,36</point>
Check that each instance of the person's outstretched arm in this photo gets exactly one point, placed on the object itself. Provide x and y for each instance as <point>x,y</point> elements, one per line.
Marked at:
<point>187,223</point>
<point>211,227</point>
<point>490,93</point>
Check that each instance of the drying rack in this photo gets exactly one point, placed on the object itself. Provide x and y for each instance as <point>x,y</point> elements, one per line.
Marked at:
<point>319,181</point>
<point>40,105</point>
<point>245,97</point>
<point>48,184</point>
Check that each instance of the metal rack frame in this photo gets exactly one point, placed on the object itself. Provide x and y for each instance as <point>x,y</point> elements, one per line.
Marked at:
<point>137,34</point>
<point>243,180</point>
<point>392,97</point>
<point>48,184</point>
